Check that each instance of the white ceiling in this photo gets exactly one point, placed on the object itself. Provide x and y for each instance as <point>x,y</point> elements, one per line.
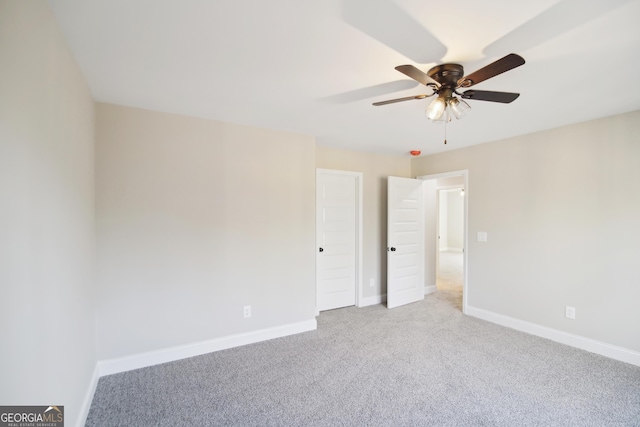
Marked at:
<point>315,66</point>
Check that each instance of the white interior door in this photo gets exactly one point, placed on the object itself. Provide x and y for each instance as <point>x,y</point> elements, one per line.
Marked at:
<point>405,241</point>
<point>336,228</point>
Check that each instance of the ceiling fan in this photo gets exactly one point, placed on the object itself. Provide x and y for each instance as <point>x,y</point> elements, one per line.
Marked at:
<point>445,80</point>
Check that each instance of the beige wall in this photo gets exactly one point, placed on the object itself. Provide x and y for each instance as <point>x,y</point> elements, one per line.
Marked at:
<point>196,219</point>
<point>375,169</point>
<point>561,210</point>
<point>47,323</point>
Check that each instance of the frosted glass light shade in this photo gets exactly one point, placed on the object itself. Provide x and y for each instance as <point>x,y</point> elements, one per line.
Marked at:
<point>458,107</point>
<point>436,108</point>
<point>444,117</point>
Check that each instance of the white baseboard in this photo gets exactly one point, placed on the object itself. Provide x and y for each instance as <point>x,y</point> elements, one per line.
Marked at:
<point>88,398</point>
<point>598,347</point>
<point>142,360</point>
<point>376,299</point>
<point>429,289</point>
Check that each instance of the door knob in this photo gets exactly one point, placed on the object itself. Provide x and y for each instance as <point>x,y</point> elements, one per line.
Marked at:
<point>320,250</point>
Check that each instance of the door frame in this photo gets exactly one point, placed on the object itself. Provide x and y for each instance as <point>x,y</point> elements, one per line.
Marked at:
<point>465,254</point>
<point>358,203</point>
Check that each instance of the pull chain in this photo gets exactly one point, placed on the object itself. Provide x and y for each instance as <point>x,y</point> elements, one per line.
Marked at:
<point>445,130</point>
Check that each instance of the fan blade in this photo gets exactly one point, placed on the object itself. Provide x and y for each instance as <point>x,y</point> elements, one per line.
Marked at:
<point>391,101</point>
<point>507,63</point>
<point>417,75</point>
<point>486,95</point>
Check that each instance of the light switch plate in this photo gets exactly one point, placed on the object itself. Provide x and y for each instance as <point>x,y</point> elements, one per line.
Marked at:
<point>482,236</point>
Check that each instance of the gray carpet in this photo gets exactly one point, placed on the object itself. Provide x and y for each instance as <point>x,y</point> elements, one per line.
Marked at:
<point>425,364</point>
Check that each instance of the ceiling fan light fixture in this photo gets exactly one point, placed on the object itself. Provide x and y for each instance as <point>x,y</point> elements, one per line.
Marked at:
<point>445,79</point>
<point>436,109</point>
<point>458,107</point>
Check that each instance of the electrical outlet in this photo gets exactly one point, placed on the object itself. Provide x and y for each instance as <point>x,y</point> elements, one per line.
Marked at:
<point>372,282</point>
<point>570,312</point>
<point>247,311</point>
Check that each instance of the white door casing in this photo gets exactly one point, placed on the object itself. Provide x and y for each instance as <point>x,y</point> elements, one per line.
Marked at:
<point>430,194</point>
<point>337,236</point>
<point>405,241</point>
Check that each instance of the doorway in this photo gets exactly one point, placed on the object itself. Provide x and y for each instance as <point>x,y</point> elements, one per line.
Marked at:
<point>450,190</point>
<point>450,240</point>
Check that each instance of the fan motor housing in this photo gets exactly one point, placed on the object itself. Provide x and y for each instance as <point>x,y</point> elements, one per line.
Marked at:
<point>447,74</point>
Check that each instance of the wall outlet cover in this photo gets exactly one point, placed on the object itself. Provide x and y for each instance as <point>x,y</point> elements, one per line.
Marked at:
<point>570,312</point>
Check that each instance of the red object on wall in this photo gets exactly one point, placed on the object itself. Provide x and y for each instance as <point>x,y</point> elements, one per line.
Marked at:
<point>415,153</point>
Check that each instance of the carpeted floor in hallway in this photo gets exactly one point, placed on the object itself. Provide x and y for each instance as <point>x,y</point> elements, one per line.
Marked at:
<point>449,279</point>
